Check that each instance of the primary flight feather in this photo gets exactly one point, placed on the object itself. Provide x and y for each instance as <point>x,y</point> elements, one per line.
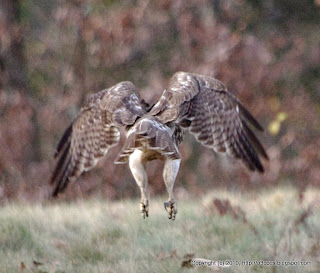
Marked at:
<point>195,103</point>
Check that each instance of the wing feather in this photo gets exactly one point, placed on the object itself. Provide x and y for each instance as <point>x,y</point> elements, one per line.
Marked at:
<point>214,116</point>
<point>94,131</point>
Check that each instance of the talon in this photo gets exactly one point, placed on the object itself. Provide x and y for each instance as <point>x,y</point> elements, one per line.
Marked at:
<point>171,208</point>
<point>144,208</point>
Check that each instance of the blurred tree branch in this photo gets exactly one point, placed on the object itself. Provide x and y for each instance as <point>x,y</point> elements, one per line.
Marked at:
<point>52,53</point>
<point>12,56</point>
<point>15,66</point>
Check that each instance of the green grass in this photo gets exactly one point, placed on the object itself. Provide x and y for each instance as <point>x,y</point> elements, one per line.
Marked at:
<point>102,236</point>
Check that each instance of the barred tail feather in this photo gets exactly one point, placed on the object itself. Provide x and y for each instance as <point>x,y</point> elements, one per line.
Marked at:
<point>149,135</point>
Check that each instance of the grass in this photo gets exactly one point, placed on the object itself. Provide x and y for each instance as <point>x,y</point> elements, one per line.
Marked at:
<point>102,236</point>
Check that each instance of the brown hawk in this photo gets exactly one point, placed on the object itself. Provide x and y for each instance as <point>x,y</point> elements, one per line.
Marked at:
<point>196,103</point>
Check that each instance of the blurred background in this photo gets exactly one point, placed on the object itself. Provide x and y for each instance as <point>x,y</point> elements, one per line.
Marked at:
<point>54,53</point>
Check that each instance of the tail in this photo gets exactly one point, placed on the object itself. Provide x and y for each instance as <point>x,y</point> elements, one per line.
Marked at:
<point>149,134</point>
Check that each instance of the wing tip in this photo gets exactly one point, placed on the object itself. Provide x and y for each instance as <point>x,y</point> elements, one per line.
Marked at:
<point>65,139</point>
<point>55,193</point>
<point>259,167</point>
<point>252,120</point>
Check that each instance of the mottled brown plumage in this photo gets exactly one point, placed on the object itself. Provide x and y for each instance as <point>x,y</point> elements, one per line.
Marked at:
<point>196,103</point>
<point>94,131</point>
<point>215,117</point>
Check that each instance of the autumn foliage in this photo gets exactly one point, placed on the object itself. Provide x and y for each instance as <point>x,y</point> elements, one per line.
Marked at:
<point>53,54</point>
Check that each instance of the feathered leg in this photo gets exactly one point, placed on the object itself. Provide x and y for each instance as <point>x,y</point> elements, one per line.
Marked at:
<point>139,173</point>
<point>170,171</point>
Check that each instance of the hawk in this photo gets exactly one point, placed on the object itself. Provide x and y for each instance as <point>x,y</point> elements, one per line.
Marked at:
<point>195,103</point>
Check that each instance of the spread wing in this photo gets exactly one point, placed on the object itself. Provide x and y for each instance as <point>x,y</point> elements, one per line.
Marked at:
<point>94,131</point>
<point>214,116</point>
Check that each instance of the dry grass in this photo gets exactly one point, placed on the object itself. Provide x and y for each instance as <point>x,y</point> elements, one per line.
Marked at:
<point>99,236</point>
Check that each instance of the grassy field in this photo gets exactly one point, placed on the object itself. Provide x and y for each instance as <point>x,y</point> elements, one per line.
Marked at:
<point>102,236</point>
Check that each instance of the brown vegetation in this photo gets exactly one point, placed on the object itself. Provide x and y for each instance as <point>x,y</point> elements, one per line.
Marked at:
<point>54,53</point>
